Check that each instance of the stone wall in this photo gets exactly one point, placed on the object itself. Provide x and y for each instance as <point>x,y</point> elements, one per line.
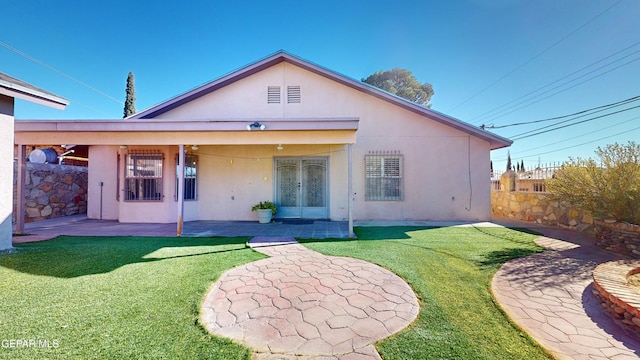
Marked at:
<point>536,207</point>
<point>623,238</point>
<point>52,191</point>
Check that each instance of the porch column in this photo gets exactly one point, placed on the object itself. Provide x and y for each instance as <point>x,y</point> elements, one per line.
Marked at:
<point>180,188</point>
<point>350,186</point>
<point>21,188</point>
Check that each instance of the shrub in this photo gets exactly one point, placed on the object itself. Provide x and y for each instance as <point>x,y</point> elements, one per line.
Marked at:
<point>609,187</point>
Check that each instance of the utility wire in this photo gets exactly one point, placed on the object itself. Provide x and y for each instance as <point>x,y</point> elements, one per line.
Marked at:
<point>589,111</point>
<point>571,138</point>
<point>568,88</point>
<point>486,114</point>
<point>23,54</point>
<point>537,55</point>
<point>520,136</point>
<point>585,143</point>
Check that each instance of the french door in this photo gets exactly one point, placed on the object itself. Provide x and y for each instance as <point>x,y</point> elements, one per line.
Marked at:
<point>302,187</point>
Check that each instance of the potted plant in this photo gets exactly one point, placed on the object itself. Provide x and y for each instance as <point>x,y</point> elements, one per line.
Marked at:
<point>265,210</point>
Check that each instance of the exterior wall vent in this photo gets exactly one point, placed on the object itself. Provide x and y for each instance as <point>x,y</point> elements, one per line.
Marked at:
<point>293,94</point>
<point>273,95</point>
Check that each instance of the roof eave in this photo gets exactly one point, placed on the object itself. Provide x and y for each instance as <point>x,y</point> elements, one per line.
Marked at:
<point>32,94</point>
<point>496,141</point>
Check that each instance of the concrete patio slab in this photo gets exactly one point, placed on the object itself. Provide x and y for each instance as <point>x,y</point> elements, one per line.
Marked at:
<point>302,304</point>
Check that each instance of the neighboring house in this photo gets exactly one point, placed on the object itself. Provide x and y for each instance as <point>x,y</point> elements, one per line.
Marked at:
<point>534,180</point>
<point>319,144</point>
<point>10,89</point>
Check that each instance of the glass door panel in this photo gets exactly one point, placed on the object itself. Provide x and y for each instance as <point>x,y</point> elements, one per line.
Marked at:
<point>287,188</point>
<point>301,188</point>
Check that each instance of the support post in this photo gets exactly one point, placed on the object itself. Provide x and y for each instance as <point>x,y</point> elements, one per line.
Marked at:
<point>21,188</point>
<point>350,186</point>
<point>180,194</point>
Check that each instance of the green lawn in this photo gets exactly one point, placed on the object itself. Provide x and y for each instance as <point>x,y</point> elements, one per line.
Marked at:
<point>450,269</point>
<point>136,297</point>
<point>115,297</point>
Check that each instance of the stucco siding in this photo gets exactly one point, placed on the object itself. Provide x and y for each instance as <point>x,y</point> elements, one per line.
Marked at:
<point>6,169</point>
<point>102,168</point>
<point>230,179</point>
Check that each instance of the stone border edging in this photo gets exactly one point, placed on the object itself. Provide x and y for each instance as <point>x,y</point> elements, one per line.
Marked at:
<point>619,299</point>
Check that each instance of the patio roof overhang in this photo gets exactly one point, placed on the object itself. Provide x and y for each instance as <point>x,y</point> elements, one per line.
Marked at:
<point>201,132</point>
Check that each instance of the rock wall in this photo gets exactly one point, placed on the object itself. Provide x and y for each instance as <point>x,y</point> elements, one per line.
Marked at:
<point>536,206</point>
<point>52,191</point>
<point>623,238</point>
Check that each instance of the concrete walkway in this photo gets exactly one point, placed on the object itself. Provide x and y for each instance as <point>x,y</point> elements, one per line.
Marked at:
<point>300,304</point>
<point>549,295</point>
<point>79,225</point>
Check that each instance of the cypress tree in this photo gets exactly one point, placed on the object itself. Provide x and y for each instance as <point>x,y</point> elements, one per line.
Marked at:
<point>130,101</point>
<point>509,161</point>
<point>522,166</point>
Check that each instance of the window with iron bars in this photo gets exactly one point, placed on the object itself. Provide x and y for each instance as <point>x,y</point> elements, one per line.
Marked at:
<point>190,177</point>
<point>143,176</point>
<point>384,176</point>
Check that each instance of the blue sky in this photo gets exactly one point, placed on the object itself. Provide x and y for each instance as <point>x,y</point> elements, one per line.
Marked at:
<point>478,54</point>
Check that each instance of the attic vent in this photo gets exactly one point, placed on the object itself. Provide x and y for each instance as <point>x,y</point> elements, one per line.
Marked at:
<point>273,95</point>
<point>293,94</point>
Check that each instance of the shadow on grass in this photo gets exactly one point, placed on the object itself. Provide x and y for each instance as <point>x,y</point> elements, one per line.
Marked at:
<point>74,256</point>
<point>399,234</point>
<point>500,257</point>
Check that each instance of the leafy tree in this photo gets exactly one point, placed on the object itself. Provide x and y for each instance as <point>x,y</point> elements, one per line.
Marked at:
<point>130,101</point>
<point>609,187</point>
<point>401,82</point>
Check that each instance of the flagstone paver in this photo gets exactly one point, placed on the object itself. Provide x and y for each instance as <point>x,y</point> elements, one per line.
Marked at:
<point>550,296</point>
<point>300,304</point>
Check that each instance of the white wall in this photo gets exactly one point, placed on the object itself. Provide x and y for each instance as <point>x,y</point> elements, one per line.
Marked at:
<point>102,168</point>
<point>6,170</point>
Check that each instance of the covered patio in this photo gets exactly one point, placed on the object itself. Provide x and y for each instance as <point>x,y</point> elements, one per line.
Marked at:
<point>80,225</point>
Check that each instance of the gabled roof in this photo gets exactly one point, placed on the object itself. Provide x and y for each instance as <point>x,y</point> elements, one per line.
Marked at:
<point>13,87</point>
<point>496,141</point>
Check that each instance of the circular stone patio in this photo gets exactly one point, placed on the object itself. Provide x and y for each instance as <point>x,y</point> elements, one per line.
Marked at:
<point>301,304</point>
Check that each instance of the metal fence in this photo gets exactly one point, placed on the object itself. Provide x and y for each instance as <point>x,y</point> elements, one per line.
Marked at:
<point>532,180</point>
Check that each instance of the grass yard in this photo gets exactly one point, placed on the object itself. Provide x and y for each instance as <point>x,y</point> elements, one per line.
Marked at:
<point>450,269</point>
<point>115,297</point>
<point>139,298</point>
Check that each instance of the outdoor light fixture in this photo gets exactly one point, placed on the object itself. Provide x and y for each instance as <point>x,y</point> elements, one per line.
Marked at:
<point>123,147</point>
<point>194,147</point>
<point>256,125</point>
<point>280,147</point>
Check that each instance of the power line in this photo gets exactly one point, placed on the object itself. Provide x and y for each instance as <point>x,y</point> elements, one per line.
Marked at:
<point>575,137</point>
<point>589,111</point>
<point>523,136</point>
<point>568,88</point>
<point>571,138</point>
<point>486,114</point>
<point>40,62</point>
<point>537,55</point>
<point>585,143</point>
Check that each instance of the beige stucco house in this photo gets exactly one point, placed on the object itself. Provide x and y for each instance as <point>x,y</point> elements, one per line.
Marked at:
<point>319,144</point>
<point>11,89</point>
